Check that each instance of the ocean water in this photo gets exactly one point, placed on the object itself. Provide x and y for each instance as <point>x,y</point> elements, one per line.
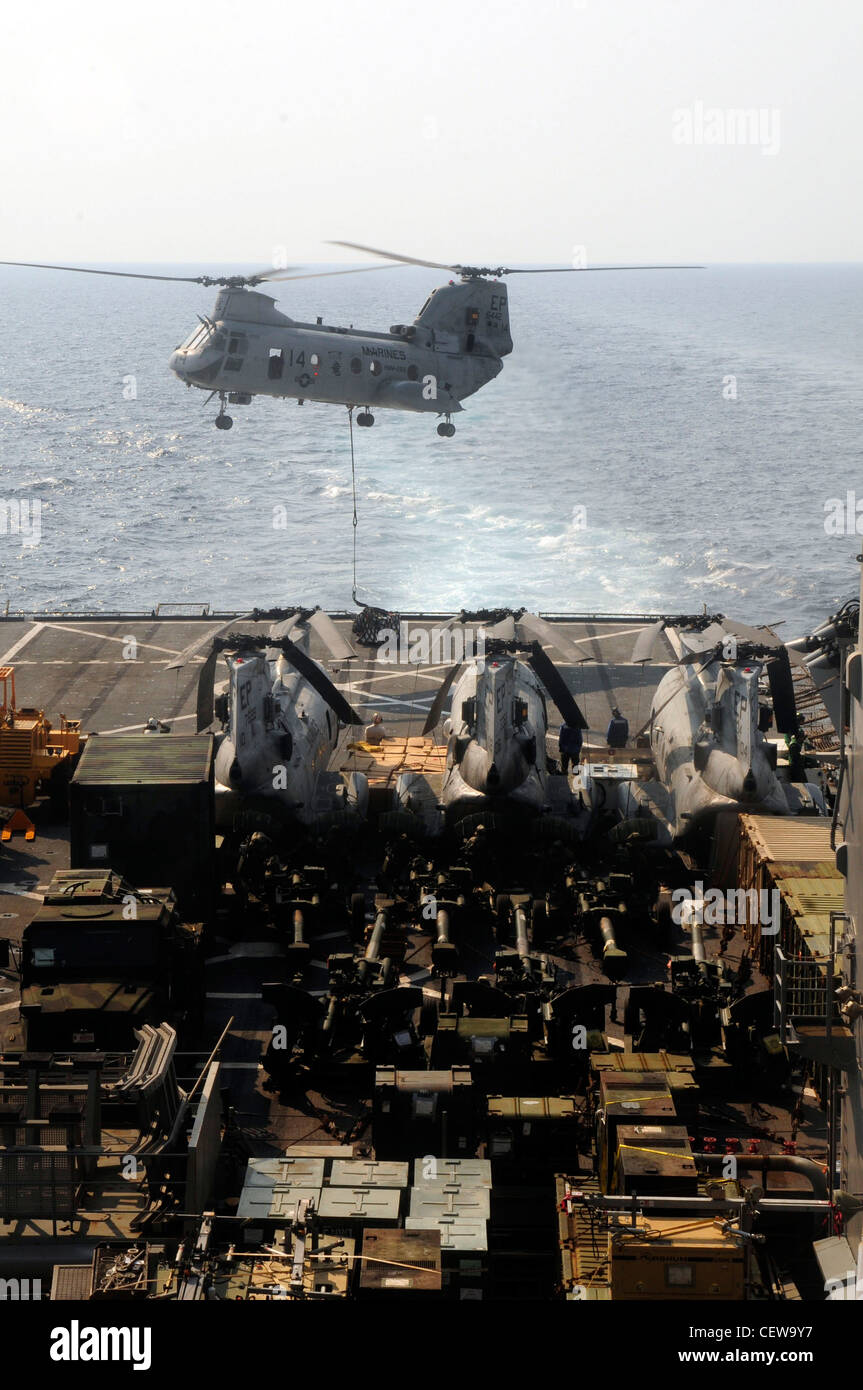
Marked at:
<point>616,400</point>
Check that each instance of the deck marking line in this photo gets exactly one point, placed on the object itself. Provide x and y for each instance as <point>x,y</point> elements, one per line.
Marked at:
<point>107,637</point>
<point>22,642</point>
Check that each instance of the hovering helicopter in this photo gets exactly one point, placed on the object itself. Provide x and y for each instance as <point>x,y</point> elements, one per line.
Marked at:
<point>496,729</point>
<point>280,717</point>
<point>247,347</point>
<point>707,728</point>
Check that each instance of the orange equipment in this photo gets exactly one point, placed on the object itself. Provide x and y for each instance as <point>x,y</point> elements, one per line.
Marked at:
<point>31,749</point>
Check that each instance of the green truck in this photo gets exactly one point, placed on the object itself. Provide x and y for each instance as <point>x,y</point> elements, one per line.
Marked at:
<point>99,959</point>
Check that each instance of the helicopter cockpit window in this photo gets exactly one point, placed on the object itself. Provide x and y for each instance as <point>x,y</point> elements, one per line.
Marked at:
<point>238,344</point>
<point>276,364</point>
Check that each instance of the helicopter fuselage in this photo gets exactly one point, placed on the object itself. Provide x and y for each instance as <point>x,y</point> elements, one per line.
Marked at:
<point>279,735</point>
<point>249,348</point>
<point>496,739</point>
<point>710,752</point>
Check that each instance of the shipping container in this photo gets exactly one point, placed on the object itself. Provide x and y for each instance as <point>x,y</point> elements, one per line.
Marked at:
<point>143,804</point>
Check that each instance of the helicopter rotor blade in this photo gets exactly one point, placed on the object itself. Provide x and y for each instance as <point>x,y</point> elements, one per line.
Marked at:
<point>86,270</point>
<point>205,709</point>
<point>277,278</point>
<point>186,655</point>
<point>645,643</point>
<point>542,664</point>
<point>580,269</point>
<point>439,700</point>
<point>530,628</point>
<point>393,255</point>
<point>338,646</point>
<point>473,270</point>
<point>228,281</point>
<point>690,658</point>
<point>320,681</point>
<point>285,627</point>
<point>782,693</point>
<point>504,630</point>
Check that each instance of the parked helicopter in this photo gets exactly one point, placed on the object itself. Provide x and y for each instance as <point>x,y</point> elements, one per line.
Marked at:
<point>496,730</point>
<point>280,717</point>
<point>824,651</point>
<point>247,347</point>
<point>707,727</point>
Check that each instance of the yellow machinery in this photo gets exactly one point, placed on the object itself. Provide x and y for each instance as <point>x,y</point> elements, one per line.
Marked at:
<point>689,1255</point>
<point>677,1257</point>
<point>31,752</point>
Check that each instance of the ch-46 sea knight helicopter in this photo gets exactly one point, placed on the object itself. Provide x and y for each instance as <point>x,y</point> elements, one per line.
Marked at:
<point>708,727</point>
<point>246,347</point>
<point>496,729</point>
<point>824,652</point>
<point>280,717</point>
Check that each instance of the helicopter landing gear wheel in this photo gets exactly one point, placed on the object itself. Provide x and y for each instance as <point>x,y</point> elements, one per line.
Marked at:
<point>447,430</point>
<point>366,418</point>
<point>223,421</point>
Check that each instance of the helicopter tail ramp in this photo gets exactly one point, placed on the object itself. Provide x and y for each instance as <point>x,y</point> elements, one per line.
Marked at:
<point>475,313</point>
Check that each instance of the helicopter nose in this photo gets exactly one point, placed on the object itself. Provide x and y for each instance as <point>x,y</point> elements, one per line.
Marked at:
<point>177,363</point>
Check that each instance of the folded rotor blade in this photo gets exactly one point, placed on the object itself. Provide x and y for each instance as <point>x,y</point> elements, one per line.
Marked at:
<point>284,627</point>
<point>530,628</point>
<point>439,700</point>
<point>504,630</point>
<point>205,710</point>
<point>782,693</point>
<point>744,633</point>
<point>645,643</point>
<point>320,681</point>
<point>557,688</point>
<point>337,645</point>
<point>186,655</point>
<point>690,658</point>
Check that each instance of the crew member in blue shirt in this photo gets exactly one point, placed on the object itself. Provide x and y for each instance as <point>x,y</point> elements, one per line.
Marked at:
<point>618,730</point>
<point>569,743</point>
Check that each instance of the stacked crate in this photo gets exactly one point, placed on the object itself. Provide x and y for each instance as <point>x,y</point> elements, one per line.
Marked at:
<point>273,1189</point>
<point>453,1197</point>
<point>533,1130</point>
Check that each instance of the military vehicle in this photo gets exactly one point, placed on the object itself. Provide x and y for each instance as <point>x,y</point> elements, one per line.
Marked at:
<point>248,348</point>
<point>99,960</point>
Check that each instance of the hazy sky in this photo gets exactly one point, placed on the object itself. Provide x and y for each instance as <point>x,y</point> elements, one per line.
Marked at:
<point>456,129</point>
